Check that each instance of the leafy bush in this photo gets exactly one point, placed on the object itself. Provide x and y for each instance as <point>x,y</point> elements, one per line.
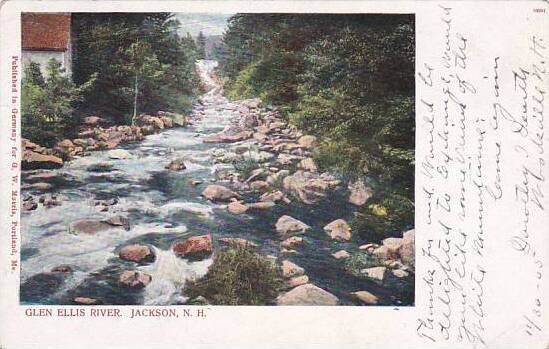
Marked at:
<point>48,105</point>
<point>359,261</point>
<point>372,227</point>
<point>340,157</point>
<point>238,276</point>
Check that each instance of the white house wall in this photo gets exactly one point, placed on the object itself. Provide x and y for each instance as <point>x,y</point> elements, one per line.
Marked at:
<point>43,57</point>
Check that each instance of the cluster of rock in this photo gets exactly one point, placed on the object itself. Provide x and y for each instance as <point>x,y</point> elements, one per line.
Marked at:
<point>286,171</point>
<point>262,136</point>
<point>46,200</point>
<point>395,255</point>
<point>301,291</point>
<point>93,135</point>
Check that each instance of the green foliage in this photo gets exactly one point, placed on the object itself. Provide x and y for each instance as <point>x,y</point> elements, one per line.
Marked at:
<point>201,46</point>
<point>359,261</point>
<point>238,276</point>
<point>243,85</point>
<point>122,46</point>
<point>348,79</point>
<point>48,104</point>
<point>374,228</point>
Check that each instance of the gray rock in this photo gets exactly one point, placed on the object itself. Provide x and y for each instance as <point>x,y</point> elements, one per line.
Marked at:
<point>307,294</point>
<point>287,225</point>
<point>338,230</point>
<point>218,193</point>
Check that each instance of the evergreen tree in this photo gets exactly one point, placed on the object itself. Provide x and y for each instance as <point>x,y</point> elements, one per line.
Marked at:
<point>48,105</point>
<point>348,79</point>
<point>201,45</point>
<point>164,66</point>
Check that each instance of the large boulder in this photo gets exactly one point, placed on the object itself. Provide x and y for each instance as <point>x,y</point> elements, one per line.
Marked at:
<point>384,252</point>
<point>297,281</point>
<point>309,187</point>
<point>290,270</point>
<point>136,253</point>
<point>359,193</point>
<point>194,248</point>
<point>376,273</point>
<point>259,186</point>
<point>134,279</point>
<point>291,242</point>
<point>149,122</point>
<point>307,294</point>
<point>287,225</point>
<point>365,297</point>
<point>274,196</point>
<point>338,230</point>
<point>307,141</point>
<point>236,207</point>
<point>33,160</point>
<point>65,146</point>
<point>227,137</point>
<point>307,164</point>
<point>89,226</point>
<point>216,192</point>
<point>118,221</point>
<point>407,249</point>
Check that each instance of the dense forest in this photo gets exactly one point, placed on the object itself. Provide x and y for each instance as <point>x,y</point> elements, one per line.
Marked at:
<point>123,65</point>
<point>348,79</point>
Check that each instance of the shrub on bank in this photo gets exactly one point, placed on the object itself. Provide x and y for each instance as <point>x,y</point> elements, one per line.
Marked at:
<point>238,276</point>
<point>48,104</point>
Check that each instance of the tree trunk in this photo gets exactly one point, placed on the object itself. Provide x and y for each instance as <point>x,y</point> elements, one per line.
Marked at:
<point>134,100</point>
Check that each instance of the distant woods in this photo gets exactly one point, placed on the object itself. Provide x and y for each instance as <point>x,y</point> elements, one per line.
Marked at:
<point>348,79</point>
<point>123,65</point>
<point>134,52</point>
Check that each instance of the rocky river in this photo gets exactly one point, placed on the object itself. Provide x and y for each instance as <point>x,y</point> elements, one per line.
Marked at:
<point>236,172</point>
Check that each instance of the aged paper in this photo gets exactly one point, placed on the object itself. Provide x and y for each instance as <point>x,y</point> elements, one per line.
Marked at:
<point>274,174</point>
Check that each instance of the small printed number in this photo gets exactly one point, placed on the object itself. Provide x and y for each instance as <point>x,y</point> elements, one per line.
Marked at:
<point>539,10</point>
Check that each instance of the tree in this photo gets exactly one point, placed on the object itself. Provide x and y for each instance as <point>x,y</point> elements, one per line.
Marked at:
<point>201,45</point>
<point>348,79</point>
<point>107,45</point>
<point>144,66</point>
<point>48,105</point>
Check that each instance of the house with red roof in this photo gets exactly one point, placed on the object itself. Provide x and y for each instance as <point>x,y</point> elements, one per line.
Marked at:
<point>45,36</point>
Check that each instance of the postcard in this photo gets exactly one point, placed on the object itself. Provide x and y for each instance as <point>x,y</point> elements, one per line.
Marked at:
<point>274,174</point>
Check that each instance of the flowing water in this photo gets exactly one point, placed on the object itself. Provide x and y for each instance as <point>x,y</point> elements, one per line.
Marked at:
<point>164,206</point>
